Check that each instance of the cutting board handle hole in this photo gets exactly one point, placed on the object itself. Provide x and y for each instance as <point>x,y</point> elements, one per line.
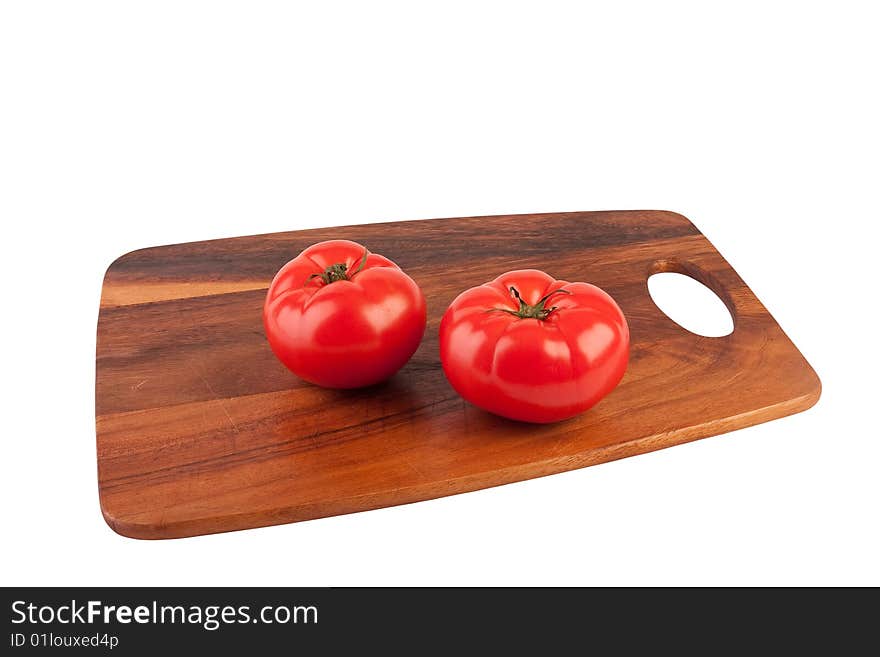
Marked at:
<point>687,301</point>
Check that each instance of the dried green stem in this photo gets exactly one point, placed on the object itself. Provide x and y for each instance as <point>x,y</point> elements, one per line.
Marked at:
<point>338,272</point>
<point>535,311</point>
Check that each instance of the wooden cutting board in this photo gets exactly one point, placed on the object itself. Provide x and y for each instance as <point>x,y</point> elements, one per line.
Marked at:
<point>201,430</point>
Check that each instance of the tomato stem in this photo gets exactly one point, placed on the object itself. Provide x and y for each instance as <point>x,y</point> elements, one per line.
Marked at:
<point>338,272</point>
<point>536,311</point>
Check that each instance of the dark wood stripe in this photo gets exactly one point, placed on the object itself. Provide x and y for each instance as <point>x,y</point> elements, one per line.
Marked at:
<point>413,245</point>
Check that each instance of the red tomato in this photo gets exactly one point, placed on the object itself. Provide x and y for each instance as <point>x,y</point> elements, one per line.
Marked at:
<point>342,317</point>
<point>532,348</point>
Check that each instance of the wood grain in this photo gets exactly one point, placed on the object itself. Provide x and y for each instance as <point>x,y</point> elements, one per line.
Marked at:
<point>201,430</point>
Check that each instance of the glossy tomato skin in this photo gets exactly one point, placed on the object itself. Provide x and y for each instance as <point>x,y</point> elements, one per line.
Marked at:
<point>529,369</point>
<point>347,333</point>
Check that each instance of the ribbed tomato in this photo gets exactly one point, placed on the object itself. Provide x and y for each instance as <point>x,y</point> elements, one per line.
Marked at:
<point>532,348</point>
<point>342,317</point>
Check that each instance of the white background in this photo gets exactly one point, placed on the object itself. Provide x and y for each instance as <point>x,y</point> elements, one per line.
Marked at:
<point>125,125</point>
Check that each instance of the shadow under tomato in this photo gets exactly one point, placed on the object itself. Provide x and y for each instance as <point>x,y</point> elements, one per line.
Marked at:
<point>500,429</point>
<point>395,387</point>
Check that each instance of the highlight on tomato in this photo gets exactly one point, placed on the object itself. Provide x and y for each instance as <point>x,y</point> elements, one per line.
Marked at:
<point>528,347</point>
<point>342,317</point>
